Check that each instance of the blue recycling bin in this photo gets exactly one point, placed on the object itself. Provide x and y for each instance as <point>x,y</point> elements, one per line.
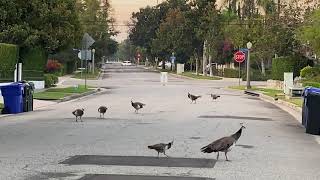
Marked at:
<point>310,110</point>
<point>13,99</point>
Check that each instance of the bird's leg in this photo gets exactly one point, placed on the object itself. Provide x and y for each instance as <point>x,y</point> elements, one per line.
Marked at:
<point>100,115</point>
<point>158,154</point>
<point>165,154</point>
<point>76,118</point>
<point>225,153</point>
<point>218,156</point>
<point>81,118</point>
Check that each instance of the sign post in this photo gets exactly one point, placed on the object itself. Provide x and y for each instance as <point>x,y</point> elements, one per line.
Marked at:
<point>138,58</point>
<point>239,57</point>
<point>87,41</point>
<point>173,59</point>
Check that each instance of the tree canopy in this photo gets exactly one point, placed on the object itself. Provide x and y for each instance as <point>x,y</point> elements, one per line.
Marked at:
<point>52,25</point>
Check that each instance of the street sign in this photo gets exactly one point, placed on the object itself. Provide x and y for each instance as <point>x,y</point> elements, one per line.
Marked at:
<point>173,59</point>
<point>239,56</point>
<point>85,54</point>
<point>87,41</point>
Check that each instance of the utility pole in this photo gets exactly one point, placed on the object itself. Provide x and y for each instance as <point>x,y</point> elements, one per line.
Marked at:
<point>249,46</point>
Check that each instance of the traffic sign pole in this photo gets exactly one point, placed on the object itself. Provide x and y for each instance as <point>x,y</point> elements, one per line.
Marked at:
<point>239,57</point>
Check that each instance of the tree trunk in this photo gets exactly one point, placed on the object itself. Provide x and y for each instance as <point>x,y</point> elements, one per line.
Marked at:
<point>163,65</point>
<point>197,64</point>
<point>204,58</point>
<point>210,65</point>
<point>263,68</point>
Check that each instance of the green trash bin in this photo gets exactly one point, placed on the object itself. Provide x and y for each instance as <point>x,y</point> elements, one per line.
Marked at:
<point>28,97</point>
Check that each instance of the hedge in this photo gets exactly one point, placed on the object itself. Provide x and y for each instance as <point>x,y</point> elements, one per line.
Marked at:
<point>50,80</point>
<point>256,75</point>
<point>231,73</point>
<point>8,59</point>
<point>34,61</point>
<point>292,63</point>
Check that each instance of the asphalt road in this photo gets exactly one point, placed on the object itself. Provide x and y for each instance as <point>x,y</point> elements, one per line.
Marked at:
<point>36,145</point>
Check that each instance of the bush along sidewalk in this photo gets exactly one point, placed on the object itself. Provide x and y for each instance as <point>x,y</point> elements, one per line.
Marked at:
<point>61,93</point>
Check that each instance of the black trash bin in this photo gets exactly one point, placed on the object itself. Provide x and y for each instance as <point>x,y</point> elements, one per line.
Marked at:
<point>311,111</point>
<point>28,97</point>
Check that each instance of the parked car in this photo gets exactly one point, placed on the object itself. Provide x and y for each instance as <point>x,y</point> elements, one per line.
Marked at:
<point>167,64</point>
<point>126,63</point>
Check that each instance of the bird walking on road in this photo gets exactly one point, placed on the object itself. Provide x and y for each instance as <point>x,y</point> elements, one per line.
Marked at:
<point>102,110</point>
<point>78,113</point>
<point>161,147</point>
<point>214,96</point>
<point>193,98</point>
<point>224,144</point>
<point>137,106</point>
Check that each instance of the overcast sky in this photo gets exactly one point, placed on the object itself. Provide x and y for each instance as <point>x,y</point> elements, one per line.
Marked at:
<point>123,10</point>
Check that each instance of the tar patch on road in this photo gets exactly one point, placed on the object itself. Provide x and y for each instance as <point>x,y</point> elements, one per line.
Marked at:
<point>134,177</point>
<point>245,146</point>
<point>238,117</point>
<point>139,161</point>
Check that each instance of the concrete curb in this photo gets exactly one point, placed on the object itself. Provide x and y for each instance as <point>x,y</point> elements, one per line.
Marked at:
<point>72,97</point>
<point>277,103</point>
<point>183,77</point>
<point>67,99</point>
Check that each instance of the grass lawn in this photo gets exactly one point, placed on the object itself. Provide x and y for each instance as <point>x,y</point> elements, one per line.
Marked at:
<point>296,101</point>
<point>192,75</point>
<point>89,75</point>
<point>1,106</point>
<point>59,93</point>
<point>272,93</point>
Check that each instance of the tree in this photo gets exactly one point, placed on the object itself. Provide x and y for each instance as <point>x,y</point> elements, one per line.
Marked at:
<point>173,37</point>
<point>309,33</point>
<point>126,50</point>
<point>96,20</point>
<point>144,27</point>
<point>51,25</point>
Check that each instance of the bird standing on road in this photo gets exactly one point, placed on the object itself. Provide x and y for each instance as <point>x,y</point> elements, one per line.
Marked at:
<point>224,144</point>
<point>78,113</point>
<point>214,96</point>
<point>102,110</point>
<point>193,98</point>
<point>137,106</point>
<point>161,147</point>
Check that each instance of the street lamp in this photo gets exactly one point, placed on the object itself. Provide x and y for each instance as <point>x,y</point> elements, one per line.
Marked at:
<point>93,51</point>
<point>249,46</point>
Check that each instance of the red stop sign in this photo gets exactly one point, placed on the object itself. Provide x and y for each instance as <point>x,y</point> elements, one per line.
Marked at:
<point>239,56</point>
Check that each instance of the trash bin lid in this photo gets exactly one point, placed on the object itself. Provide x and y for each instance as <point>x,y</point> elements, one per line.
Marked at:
<point>311,90</point>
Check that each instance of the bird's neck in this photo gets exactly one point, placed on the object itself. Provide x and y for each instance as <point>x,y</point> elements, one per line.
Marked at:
<point>237,134</point>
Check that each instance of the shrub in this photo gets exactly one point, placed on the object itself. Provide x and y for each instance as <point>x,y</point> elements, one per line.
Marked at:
<point>8,58</point>
<point>281,65</point>
<point>53,66</point>
<point>312,84</point>
<point>50,80</point>
<point>34,60</point>
<point>309,72</point>
<point>292,63</point>
<point>256,75</point>
<point>231,73</point>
